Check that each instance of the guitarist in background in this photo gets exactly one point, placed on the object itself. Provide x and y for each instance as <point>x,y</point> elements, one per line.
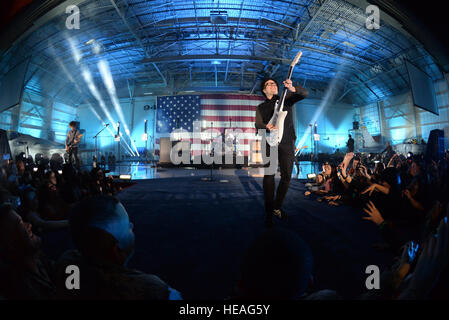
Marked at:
<point>71,143</point>
<point>286,148</point>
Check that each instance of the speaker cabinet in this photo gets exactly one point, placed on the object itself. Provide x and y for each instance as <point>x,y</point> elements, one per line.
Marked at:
<point>435,145</point>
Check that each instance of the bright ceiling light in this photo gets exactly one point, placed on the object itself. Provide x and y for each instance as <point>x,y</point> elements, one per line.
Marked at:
<point>75,52</point>
<point>108,81</point>
<point>96,48</point>
<point>349,44</point>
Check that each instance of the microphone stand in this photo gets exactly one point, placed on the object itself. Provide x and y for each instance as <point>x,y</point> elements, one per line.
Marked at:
<point>211,154</point>
<point>95,137</point>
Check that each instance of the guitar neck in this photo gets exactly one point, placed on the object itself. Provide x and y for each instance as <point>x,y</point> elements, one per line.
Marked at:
<point>284,92</point>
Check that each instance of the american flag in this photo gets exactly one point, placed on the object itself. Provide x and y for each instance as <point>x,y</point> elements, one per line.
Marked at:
<point>177,112</point>
<point>219,112</point>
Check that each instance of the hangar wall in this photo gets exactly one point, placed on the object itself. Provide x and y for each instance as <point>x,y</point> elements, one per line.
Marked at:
<point>39,116</point>
<point>397,119</point>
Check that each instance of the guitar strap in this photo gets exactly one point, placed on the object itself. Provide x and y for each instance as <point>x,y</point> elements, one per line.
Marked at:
<point>73,138</point>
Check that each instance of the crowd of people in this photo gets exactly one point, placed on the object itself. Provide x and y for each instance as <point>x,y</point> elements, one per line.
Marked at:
<point>407,198</point>
<point>48,196</point>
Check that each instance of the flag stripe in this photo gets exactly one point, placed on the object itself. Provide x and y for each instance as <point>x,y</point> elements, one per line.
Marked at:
<point>232,96</point>
<point>229,114</point>
<point>226,106</point>
<point>223,122</point>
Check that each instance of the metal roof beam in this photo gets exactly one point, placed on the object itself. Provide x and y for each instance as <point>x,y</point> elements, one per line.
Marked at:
<point>214,57</point>
<point>137,38</point>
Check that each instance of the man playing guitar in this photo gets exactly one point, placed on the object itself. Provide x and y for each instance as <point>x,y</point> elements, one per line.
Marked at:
<point>71,143</point>
<point>264,111</point>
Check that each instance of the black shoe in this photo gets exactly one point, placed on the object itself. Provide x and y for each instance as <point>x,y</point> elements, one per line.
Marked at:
<point>280,213</point>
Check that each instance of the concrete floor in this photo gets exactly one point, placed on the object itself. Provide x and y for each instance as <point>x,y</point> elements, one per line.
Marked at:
<point>193,233</point>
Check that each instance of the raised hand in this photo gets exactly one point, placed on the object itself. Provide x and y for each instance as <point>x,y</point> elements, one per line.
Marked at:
<point>370,189</point>
<point>289,85</point>
<point>374,214</point>
<point>332,198</point>
<point>407,193</point>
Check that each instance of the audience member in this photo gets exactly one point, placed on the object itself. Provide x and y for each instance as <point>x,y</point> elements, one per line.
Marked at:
<point>103,236</point>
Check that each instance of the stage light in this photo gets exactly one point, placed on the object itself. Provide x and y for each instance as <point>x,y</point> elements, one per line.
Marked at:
<point>91,85</point>
<point>75,52</point>
<point>376,161</point>
<point>67,73</point>
<point>409,155</point>
<point>125,177</point>
<point>108,81</point>
<point>90,41</point>
<point>35,169</point>
<point>216,62</point>
<point>88,79</point>
<point>93,89</point>
<point>60,171</point>
<point>96,48</point>
<point>324,104</point>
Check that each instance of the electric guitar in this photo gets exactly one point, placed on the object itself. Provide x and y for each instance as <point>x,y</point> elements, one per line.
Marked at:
<point>274,137</point>
<point>72,143</point>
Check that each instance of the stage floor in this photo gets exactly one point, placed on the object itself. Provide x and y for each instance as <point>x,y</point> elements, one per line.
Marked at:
<point>140,171</point>
<point>193,233</point>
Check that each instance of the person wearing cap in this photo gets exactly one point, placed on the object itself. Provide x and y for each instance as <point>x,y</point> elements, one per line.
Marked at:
<point>264,112</point>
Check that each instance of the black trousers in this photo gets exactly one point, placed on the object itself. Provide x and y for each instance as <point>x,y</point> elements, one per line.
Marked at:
<point>74,152</point>
<point>285,161</point>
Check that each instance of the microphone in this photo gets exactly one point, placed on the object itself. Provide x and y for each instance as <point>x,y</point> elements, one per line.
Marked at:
<point>107,124</point>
